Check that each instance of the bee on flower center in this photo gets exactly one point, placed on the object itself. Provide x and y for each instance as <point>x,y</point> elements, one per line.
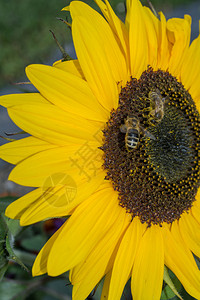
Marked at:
<point>157,103</point>
<point>133,129</point>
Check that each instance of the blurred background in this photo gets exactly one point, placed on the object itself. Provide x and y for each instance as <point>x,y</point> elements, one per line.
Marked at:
<point>25,38</point>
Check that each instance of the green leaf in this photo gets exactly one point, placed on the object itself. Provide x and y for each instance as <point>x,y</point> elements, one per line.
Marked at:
<point>170,290</point>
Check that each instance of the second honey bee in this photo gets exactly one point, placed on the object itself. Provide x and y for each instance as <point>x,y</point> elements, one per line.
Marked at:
<point>156,108</point>
<point>133,129</point>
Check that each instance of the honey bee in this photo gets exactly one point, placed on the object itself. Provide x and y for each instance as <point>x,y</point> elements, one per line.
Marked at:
<point>133,129</point>
<point>157,103</point>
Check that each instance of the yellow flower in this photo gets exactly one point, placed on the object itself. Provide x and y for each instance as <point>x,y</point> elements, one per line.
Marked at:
<point>114,144</point>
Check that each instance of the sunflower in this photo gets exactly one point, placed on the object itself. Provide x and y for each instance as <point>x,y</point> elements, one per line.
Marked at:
<point>114,144</point>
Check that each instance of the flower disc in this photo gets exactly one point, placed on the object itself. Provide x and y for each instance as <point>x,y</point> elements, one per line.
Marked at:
<point>157,179</point>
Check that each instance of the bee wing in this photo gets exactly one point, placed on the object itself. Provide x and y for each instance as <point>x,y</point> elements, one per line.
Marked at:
<point>147,133</point>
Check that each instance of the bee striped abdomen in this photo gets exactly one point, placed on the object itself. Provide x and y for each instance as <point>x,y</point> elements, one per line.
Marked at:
<point>132,138</point>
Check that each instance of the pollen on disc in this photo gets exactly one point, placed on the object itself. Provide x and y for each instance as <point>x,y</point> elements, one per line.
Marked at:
<point>151,148</point>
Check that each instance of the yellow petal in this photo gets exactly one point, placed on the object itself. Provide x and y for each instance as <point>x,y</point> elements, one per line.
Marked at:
<point>190,71</point>
<point>89,272</point>
<point>62,202</point>
<point>128,219</point>
<point>152,28</point>
<point>124,259</point>
<point>175,231</point>
<point>181,263</point>
<point>103,37</point>
<point>70,66</point>
<point>196,211</point>
<point>84,229</point>
<point>70,160</point>
<point>17,208</point>
<point>106,284</point>
<point>148,269</point>
<point>52,124</point>
<point>164,46</point>
<point>178,31</point>
<point>57,201</point>
<point>94,62</point>
<point>15,152</point>
<point>197,197</point>
<point>67,91</point>
<point>128,9</point>
<point>190,231</point>
<point>118,27</point>
<point>190,68</point>
<point>40,264</point>
<point>138,39</point>
<point>20,99</point>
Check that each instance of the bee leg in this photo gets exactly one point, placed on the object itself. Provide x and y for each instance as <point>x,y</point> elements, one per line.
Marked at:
<point>153,112</point>
<point>147,109</point>
<point>152,121</point>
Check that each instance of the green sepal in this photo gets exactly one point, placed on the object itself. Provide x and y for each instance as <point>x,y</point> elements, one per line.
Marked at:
<point>3,227</point>
<point>13,226</point>
<point>11,253</point>
<point>3,252</point>
<point>170,290</point>
<point>3,270</point>
<point>7,253</point>
<point>3,232</point>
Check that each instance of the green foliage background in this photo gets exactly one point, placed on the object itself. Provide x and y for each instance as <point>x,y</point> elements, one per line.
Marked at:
<point>25,36</point>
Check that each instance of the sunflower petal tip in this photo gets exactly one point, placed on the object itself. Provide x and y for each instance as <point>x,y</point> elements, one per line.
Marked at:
<point>66,8</point>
